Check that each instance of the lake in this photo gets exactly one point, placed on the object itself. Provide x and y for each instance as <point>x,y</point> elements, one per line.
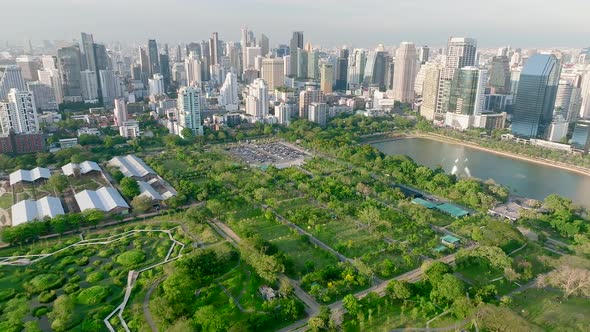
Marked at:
<point>523,178</point>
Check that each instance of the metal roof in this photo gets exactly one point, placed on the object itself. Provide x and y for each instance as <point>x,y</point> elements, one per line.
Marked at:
<point>29,176</point>
<point>146,189</point>
<point>452,209</point>
<point>424,203</point>
<point>105,199</point>
<point>131,165</point>
<point>84,167</point>
<point>28,210</point>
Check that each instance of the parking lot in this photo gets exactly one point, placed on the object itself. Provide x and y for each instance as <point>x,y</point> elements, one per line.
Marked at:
<point>279,155</point>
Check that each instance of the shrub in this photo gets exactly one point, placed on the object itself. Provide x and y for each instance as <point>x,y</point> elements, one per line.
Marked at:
<point>71,270</point>
<point>93,295</point>
<point>47,296</point>
<point>71,288</point>
<point>107,266</point>
<point>131,258</point>
<point>83,261</point>
<point>43,282</point>
<point>97,262</point>
<point>6,294</point>
<point>40,311</point>
<point>94,277</point>
<point>106,253</point>
<point>75,278</point>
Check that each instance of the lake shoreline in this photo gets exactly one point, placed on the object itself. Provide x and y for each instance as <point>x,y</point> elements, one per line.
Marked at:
<point>545,162</point>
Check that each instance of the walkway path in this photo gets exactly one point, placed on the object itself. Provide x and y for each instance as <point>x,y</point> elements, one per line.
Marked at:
<point>146,301</point>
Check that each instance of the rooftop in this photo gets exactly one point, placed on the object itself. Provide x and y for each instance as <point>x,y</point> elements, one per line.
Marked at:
<point>424,203</point>
<point>28,210</point>
<point>131,166</point>
<point>105,199</point>
<point>452,209</point>
<point>84,167</point>
<point>29,176</point>
<point>450,239</point>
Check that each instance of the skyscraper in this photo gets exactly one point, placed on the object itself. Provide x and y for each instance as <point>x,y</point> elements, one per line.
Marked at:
<point>10,78</point>
<point>89,86</point>
<point>110,85</point>
<point>144,64</point>
<point>19,113</point>
<point>69,68</point>
<point>156,85</point>
<point>88,60</point>
<point>213,49</point>
<point>193,65</point>
<point>500,75</point>
<point>461,52</point>
<point>342,69</point>
<point>251,54</point>
<point>272,72</point>
<point>467,97</point>
<point>310,95</point>
<point>430,90</point>
<point>189,109</point>
<point>120,111</point>
<point>244,45</point>
<point>423,54</point>
<point>264,44</point>
<point>295,44</point>
<point>257,99</point>
<point>228,94</point>
<point>404,76</point>
<point>313,69</point>
<point>318,113</point>
<point>153,57</point>
<point>44,96</point>
<point>29,66</point>
<point>537,89</point>
<point>302,63</point>
<point>327,78</point>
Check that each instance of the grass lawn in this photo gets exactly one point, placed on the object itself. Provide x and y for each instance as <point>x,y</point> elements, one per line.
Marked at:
<point>6,201</point>
<point>550,310</point>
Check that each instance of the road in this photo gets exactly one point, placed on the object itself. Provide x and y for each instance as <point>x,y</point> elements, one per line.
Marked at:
<point>146,304</point>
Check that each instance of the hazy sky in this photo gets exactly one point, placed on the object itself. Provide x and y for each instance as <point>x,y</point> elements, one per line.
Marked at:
<point>362,23</point>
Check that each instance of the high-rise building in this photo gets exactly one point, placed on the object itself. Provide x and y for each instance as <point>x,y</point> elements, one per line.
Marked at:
<point>51,77</point>
<point>193,65</point>
<point>264,44</point>
<point>110,85</point>
<point>568,100</point>
<point>213,49</point>
<point>29,67</point>
<point>283,113</point>
<point>18,113</point>
<point>44,96</point>
<point>244,45</point>
<point>295,44</point>
<point>273,72</point>
<point>165,70</point>
<point>156,85</point>
<point>10,78</point>
<point>404,76</point>
<point>537,89</point>
<point>327,78</point>
<point>251,54</point>
<point>424,54</point>
<point>467,97</point>
<point>89,86</point>
<point>228,94</point>
<point>302,63</point>
<point>153,57</point>
<point>69,68</point>
<point>430,90</point>
<point>313,69</point>
<point>310,95</point>
<point>342,69</point>
<point>257,99</point>
<point>120,111</point>
<point>88,60</point>
<point>189,109</point>
<point>461,52</point>
<point>356,68</point>
<point>500,75</point>
<point>318,113</point>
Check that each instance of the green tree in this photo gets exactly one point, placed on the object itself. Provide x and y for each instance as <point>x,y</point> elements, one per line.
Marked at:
<point>142,203</point>
<point>58,182</point>
<point>129,187</point>
<point>351,304</point>
<point>401,290</point>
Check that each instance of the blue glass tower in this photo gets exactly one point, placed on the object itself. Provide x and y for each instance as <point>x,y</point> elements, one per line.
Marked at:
<point>537,88</point>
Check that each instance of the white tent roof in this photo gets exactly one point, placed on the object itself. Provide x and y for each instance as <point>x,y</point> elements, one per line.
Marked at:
<point>28,210</point>
<point>131,165</point>
<point>84,167</point>
<point>105,199</point>
<point>146,189</point>
<point>29,176</point>
<point>170,191</point>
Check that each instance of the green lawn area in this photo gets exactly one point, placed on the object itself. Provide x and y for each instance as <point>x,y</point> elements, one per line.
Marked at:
<point>6,201</point>
<point>550,310</point>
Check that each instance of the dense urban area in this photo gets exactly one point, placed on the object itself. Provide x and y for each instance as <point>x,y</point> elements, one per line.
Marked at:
<point>237,186</point>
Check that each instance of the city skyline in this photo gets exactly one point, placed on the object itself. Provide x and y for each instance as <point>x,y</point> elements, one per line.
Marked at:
<point>327,23</point>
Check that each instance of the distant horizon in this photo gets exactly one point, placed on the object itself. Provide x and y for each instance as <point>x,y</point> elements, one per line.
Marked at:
<point>330,23</point>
